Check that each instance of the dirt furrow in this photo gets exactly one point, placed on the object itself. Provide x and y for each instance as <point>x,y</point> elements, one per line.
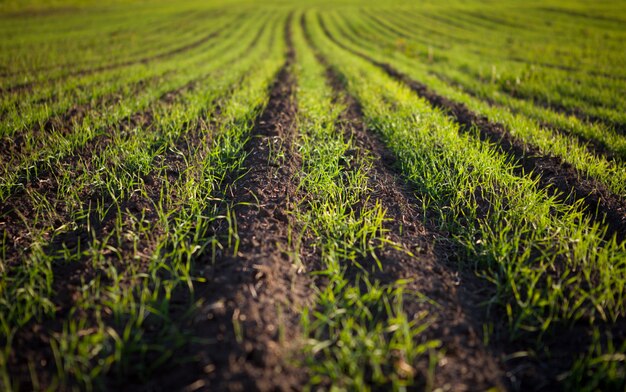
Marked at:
<point>553,174</point>
<point>69,278</point>
<point>252,298</point>
<point>457,323</point>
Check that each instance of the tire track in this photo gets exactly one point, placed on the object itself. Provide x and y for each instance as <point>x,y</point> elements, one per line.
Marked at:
<point>554,174</point>
<point>252,298</point>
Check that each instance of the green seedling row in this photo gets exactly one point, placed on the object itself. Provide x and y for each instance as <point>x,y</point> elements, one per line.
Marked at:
<point>357,324</point>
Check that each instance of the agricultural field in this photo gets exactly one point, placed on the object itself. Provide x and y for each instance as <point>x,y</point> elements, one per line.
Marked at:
<point>313,195</point>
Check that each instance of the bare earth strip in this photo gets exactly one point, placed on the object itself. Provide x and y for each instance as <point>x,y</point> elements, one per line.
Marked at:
<point>249,326</point>
<point>457,323</point>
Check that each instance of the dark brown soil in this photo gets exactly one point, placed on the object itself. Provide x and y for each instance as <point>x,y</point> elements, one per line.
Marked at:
<point>17,211</point>
<point>553,174</point>
<point>456,320</point>
<point>64,123</point>
<point>252,300</point>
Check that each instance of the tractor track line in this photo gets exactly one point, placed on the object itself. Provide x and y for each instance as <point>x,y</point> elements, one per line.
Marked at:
<point>252,299</point>
<point>553,174</point>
